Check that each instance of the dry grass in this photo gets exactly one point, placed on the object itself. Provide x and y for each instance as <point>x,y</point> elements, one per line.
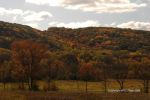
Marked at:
<point>76,86</point>
<point>95,86</point>
<point>70,96</point>
<point>74,90</point>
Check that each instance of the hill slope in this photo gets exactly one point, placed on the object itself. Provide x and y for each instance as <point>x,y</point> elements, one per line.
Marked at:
<point>12,31</point>
<point>103,38</point>
<point>100,38</point>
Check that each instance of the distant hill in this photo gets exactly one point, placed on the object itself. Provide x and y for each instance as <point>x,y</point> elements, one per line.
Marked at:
<point>12,31</point>
<point>100,38</point>
<point>103,38</point>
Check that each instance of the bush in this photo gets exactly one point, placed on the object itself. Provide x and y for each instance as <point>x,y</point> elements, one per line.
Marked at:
<point>35,87</point>
<point>21,87</point>
<point>50,87</point>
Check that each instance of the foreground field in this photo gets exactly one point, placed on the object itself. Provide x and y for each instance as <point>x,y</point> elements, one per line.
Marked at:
<point>96,86</point>
<point>70,96</point>
<point>79,86</point>
<point>74,90</point>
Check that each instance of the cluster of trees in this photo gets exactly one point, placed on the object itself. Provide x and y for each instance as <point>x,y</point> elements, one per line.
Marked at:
<point>89,54</point>
<point>13,30</point>
<point>30,61</point>
<point>102,37</point>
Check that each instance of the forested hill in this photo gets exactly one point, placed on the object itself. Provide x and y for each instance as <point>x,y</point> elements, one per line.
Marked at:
<point>18,30</point>
<point>101,38</point>
<point>96,51</point>
<point>12,31</point>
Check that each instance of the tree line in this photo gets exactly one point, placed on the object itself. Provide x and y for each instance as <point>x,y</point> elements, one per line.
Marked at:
<point>30,61</point>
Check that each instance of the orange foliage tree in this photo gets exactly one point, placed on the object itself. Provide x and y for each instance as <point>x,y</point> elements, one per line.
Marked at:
<point>87,72</point>
<point>29,55</point>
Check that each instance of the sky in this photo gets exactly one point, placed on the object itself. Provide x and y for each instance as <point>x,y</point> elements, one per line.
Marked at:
<point>42,14</point>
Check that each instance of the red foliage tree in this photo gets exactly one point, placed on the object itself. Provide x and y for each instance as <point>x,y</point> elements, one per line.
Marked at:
<point>87,72</point>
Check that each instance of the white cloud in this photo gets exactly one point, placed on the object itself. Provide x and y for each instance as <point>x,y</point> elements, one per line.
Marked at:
<point>33,16</point>
<point>98,6</point>
<point>4,11</point>
<point>34,25</point>
<point>91,23</point>
<point>23,17</point>
<point>75,24</point>
<point>46,2</point>
<point>136,25</point>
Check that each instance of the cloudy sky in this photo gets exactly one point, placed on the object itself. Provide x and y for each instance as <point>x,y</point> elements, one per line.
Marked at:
<point>42,14</point>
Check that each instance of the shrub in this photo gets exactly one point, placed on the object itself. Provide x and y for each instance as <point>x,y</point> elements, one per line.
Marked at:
<point>21,87</point>
<point>35,87</point>
<point>50,87</point>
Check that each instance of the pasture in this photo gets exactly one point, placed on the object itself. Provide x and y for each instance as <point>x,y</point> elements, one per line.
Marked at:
<point>24,95</point>
<point>73,90</point>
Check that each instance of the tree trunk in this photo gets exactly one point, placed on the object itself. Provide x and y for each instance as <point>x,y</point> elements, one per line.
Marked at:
<point>30,85</point>
<point>4,85</point>
<point>49,83</point>
<point>146,86</point>
<point>105,86</point>
<point>86,86</point>
<point>77,85</point>
<point>121,84</point>
<point>105,80</point>
<point>22,85</point>
<point>76,79</point>
<point>49,78</point>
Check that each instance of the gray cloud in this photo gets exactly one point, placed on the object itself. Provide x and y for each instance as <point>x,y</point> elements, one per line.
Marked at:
<point>73,13</point>
<point>98,6</point>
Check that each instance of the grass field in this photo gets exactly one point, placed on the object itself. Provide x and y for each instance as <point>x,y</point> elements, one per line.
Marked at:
<point>20,95</point>
<point>74,90</point>
<point>76,86</point>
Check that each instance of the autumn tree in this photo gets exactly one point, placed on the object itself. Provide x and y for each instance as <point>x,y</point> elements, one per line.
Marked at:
<point>29,55</point>
<point>5,72</point>
<point>143,72</point>
<point>105,63</point>
<point>59,70</point>
<point>141,68</point>
<point>53,69</point>
<point>18,74</point>
<point>72,64</point>
<point>47,67</point>
<point>120,67</point>
<point>87,72</point>
<point>86,56</point>
<point>120,73</point>
<point>5,66</point>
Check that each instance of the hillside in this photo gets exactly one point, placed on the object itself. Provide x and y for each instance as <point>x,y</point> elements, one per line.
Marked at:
<point>103,38</point>
<point>100,38</point>
<point>87,54</point>
<point>12,31</point>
